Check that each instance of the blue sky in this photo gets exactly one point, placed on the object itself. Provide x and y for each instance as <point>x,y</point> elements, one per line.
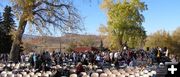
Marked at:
<point>161,14</point>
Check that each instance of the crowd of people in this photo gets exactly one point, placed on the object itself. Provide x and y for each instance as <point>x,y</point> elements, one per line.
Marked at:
<point>128,57</point>
<point>59,64</point>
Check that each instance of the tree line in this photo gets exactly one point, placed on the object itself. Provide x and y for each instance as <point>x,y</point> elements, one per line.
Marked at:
<point>162,38</point>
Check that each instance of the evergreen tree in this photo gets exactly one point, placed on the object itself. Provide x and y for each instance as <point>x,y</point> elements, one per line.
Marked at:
<point>8,21</point>
<point>1,33</point>
<point>7,25</point>
<point>0,24</point>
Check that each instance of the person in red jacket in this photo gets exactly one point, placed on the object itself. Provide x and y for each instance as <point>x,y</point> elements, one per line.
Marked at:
<point>79,68</point>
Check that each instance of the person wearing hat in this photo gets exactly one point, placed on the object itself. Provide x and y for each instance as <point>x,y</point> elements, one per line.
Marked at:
<point>18,75</point>
<point>73,75</point>
<point>3,74</point>
<point>103,75</point>
<point>94,75</point>
<point>38,74</point>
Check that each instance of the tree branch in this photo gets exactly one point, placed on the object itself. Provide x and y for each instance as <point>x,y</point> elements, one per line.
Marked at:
<point>37,4</point>
<point>42,9</point>
<point>54,5</point>
<point>49,21</point>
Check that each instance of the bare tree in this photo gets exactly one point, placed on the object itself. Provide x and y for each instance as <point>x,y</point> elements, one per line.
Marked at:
<point>43,14</point>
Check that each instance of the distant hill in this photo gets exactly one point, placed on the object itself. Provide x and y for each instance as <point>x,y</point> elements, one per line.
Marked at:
<point>54,42</point>
<point>26,36</point>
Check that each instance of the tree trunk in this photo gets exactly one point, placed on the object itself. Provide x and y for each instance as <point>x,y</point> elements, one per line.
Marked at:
<point>120,42</point>
<point>15,53</point>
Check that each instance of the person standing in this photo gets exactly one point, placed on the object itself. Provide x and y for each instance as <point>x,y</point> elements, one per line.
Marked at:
<point>159,55</point>
<point>74,57</point>
<point>111,56</point>
<point>166,52</point>
<point>34,58</point>
<point>22,58</point>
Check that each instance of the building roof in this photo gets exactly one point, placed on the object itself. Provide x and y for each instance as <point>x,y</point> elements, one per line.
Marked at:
<point>85,49</point>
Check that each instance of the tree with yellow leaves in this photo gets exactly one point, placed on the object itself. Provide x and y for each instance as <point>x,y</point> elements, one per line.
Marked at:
<point>175,45</point>
<point>160,38</point>
<point>124,22</point>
